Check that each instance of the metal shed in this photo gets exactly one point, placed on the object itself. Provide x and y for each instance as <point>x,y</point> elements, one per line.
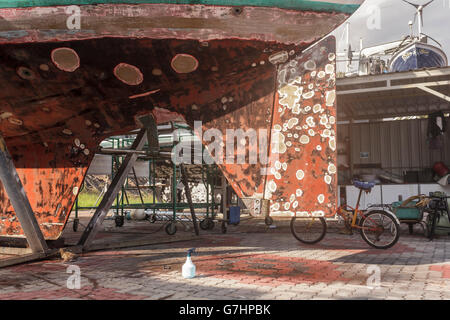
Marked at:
<point>383,124</point>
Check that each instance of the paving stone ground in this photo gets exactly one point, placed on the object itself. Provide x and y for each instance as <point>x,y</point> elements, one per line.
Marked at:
<point>250,262</point>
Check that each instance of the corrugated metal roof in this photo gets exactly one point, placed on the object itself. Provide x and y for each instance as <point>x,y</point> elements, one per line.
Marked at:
<point>394,94</point>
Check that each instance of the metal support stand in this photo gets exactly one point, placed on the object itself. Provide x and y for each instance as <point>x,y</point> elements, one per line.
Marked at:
<point>99,216</point>
<point>137,184</point>
<point>20,202</point>
<point>184,180</point>
<point>224,196</point>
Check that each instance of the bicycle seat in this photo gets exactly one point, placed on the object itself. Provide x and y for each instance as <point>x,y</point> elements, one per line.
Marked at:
<point>364,185</point>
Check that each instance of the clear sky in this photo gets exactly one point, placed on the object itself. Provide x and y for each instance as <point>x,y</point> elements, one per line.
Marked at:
<point>380,21</point>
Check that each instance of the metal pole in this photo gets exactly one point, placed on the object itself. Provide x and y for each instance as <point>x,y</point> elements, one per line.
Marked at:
<point>122,201</point>
<point>350,148</point>
<point>76,206</point>
<point>207,192</point>
<point>97,219</point>
<point>184,180</point>
<point>19,200</point>
<point>137,185</point>
<point>213,195</point>
<point>174,191</point>
<point>152,165</point>
<point>119,160</point>
<point>224,196</point>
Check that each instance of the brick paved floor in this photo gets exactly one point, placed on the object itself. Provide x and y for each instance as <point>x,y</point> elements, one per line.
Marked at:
<point>250,262</point>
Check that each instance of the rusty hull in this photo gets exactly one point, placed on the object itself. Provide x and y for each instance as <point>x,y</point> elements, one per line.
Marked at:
<point>56,106</point>
<point>299,111</point>
<point>303,178</point>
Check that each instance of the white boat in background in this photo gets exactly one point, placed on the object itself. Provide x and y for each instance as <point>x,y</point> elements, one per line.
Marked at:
<point>413,52</point>
<point>418,55</point>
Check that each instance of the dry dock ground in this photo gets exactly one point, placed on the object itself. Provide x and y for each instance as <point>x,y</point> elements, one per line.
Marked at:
<point>250,261</point>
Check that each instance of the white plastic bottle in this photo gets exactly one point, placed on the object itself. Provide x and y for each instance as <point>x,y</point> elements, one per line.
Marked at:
<point>188,270</point>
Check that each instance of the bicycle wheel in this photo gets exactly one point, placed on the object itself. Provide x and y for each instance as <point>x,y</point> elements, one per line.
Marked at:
<point>308,230</point>
<point>379,229</point>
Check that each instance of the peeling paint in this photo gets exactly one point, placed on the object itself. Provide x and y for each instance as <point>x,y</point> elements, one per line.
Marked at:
<point>310,142</point>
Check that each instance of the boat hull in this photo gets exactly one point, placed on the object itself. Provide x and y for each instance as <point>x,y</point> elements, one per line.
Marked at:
<point>67,90</point>
<point>418,56</point>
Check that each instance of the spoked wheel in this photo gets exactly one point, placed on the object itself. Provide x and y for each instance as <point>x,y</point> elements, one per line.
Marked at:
<point>207,224</point>
<point>171,228</point>
<point>152,218</point>
<point>204,224</point>
<point>119,220</point>
<point>268,221</point>
<point>308,230</point>
<point>380,230</point>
